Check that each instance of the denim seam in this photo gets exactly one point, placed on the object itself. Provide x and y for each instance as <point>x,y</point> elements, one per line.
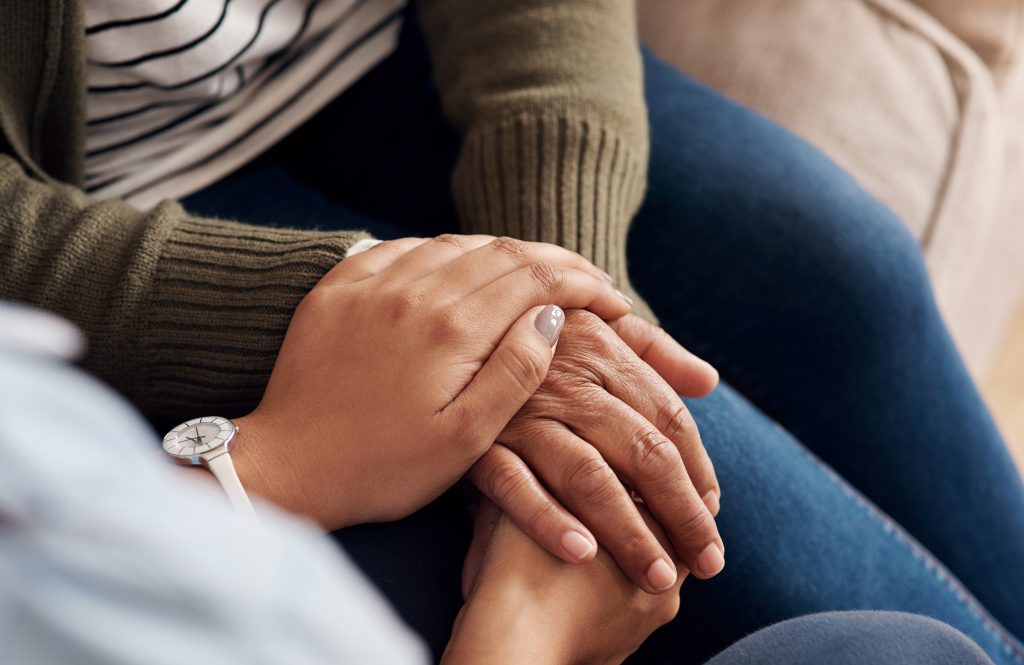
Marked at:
<point>929,561</point>
<point>1011,645</point>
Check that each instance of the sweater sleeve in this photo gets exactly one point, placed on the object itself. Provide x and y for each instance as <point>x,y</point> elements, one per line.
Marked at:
<point>547,96</point>
<point>184,315</point>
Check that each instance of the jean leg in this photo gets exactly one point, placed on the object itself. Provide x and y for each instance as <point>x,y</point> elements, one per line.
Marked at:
<point>813,300</point>
<point>855,638</point>
<point>800,540</point>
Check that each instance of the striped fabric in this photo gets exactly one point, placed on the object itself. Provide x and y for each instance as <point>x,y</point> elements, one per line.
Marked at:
<point>182,92</point>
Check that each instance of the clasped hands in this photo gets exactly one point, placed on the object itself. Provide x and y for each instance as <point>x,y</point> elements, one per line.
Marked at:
<point>419,362</point>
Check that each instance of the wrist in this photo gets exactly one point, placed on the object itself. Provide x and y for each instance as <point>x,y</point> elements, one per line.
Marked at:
<point>504,623</point>
<point>265,472</point>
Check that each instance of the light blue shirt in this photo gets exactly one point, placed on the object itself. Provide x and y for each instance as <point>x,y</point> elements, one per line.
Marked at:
<point>110,555</point>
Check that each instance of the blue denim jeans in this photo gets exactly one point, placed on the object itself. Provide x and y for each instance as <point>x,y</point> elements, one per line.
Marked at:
<point>860,468</point>
<point>46,404</point>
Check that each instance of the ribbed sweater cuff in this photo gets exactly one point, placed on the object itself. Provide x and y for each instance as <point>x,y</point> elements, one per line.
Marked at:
<point>222,297</point>
<point>567,181</point>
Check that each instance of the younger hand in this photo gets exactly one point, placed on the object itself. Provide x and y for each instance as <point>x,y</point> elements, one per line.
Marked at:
<point>402,366</point>
<point>525,606</point>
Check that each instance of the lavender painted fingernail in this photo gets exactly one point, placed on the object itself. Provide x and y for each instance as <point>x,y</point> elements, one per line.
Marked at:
<point>625,297</point>
<point>549,323</point>
<point>611,280</point>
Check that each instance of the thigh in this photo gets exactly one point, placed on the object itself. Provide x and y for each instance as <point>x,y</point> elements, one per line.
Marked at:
<point>800,540</point>
<point>813,300</point>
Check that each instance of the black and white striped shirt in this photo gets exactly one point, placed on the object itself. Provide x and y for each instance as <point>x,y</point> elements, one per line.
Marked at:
<point>182,92</point>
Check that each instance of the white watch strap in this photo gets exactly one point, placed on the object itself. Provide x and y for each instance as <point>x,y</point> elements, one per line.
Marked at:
<point>224,471</point>
<point>361,246</point>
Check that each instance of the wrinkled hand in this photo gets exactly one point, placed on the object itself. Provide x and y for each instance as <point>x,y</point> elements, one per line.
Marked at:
<point>604,424</point>
<point>401,368</point>
<point>525,606</point>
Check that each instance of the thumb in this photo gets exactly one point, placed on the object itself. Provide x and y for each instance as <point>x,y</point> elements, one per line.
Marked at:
<point>509,377</point>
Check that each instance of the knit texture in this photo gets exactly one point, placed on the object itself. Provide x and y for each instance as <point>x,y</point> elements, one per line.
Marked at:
<point>555,180</point>
<point>185,315</point>
<point>548,98</point>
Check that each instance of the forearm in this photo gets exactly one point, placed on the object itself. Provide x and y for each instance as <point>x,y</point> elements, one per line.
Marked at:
<point>548,98</point>
<point>183,314</point>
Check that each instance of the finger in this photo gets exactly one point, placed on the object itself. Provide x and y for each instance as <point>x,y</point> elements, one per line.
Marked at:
<point>483,528</point>
<point>507,379</point>
<point>646,393</point>
<point>475,269</point>
<point>434,254</point>
<point>583,481</point>
<point>671,597</point>
<point>652,465</point>
<point>370,262</point>
<point>504,478</point>
<point>688,374</point>
<point>541,283</point>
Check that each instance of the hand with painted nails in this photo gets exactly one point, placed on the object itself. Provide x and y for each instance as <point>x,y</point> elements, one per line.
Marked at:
<point>402,366</point>
<point>606,427</point>
<point>525,606</point>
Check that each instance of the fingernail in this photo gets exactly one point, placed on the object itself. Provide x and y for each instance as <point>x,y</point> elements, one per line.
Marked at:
<point>549,323</point>
<point>710,562</point>
<point>713,502</point>
<point>578,547</point>
<point>611,280</point>
<point>626,298</point>
<point>661,575</point>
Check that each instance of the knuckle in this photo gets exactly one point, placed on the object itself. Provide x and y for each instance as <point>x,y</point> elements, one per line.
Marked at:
<point>448,324</point>
<point>515,250</point>
<point>582,319</point>
<point>589,326</point>
<point>505,481</point>
<point>592,481</point>
<point>549,279</point>
<point>675,420</point>
<point>541,515</point>
<point>449,239</point>
<point>405,301</point>
<point>635,549</point>
<point>321,298</point>
<point>397,245</point>
<point>652,454</point>
<point>524,365</point>
<point>697,528</point>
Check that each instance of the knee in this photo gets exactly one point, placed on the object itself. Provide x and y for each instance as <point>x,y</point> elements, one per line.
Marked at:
<point>853,638</point>
<point>762,213</point>
<point>871,267</point>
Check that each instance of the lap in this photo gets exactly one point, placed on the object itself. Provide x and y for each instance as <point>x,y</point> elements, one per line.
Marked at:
<point>794,546</point>
<point>812,299</point>
<point>801,540</point>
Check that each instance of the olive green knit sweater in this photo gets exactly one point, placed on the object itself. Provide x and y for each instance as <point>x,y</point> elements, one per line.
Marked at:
<point>184,314</point>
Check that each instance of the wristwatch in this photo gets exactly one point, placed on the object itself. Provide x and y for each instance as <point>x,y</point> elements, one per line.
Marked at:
<point>207,441</point>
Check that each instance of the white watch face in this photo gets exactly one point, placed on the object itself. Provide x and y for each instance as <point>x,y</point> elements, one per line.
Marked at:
<point>199,435</point>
